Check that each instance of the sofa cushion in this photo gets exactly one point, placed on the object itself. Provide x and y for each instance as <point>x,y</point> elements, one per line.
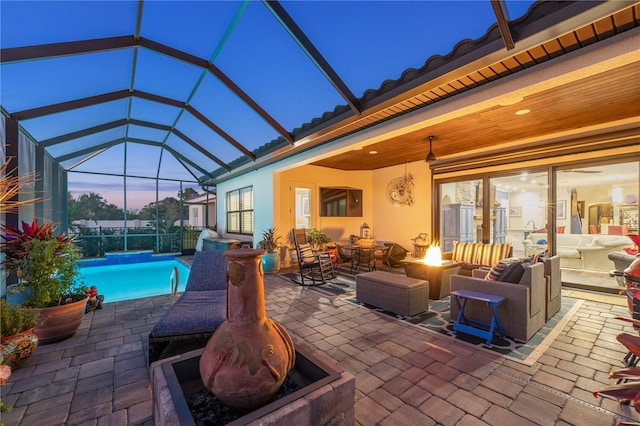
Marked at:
<point>208,271</point>
<point>568,253</point>
<point>465,252</point>
<point>193,313</point>
<point>492,253</point>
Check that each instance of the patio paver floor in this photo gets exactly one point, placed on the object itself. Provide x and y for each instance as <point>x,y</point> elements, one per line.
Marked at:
<point>405,375</point>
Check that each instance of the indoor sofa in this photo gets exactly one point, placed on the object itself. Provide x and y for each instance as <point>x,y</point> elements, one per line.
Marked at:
<point>523,312</point>
<point>581,251</point>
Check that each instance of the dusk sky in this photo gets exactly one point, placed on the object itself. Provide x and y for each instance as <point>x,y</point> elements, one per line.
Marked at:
<point>365,42</point>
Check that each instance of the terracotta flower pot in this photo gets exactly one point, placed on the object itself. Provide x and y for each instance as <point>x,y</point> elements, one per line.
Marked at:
<point>18,347</point>
<point>60,322</point>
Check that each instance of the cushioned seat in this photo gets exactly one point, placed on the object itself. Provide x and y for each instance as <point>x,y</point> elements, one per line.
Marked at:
<point>476,255</point>
<point>523,312</point>
<point>195,316</point>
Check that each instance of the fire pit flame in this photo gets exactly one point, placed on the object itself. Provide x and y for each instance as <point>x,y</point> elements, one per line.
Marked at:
<point>433,255</point>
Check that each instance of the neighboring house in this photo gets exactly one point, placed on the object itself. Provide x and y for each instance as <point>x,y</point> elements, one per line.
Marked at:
<point>202,211</point>
<point>133,223</point>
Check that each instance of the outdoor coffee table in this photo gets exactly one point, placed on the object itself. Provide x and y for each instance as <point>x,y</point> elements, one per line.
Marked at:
<point>473,327</point>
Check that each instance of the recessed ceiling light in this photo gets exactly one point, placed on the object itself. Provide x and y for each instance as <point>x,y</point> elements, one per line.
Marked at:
<point>523,111</point>
<point>373,152</point>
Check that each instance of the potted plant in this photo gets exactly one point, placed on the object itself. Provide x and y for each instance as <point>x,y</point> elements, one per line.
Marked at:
<point>317,239</point>
<point>17,337</point>
<point>271,244</point>
<point>45,264</point>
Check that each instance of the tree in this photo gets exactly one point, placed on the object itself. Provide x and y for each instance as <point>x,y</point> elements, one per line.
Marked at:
<point>168,213</point>
<point>188,194</point>
<point>93,206</point>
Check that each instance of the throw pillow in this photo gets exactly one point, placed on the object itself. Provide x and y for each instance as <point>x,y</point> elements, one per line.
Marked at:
<point>514,272</point>
<point>497,270</point>
<point>540,257</point>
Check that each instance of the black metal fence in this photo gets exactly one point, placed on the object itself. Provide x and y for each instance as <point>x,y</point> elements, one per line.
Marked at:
<point>95,242</point>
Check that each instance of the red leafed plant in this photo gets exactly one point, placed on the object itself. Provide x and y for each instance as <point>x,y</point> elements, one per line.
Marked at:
<point>41,259</point>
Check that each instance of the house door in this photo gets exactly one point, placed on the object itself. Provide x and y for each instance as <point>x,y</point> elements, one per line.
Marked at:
<point>301,203</point>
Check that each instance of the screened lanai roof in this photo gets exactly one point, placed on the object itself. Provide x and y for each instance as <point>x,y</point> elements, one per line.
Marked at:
<point>196,90</point>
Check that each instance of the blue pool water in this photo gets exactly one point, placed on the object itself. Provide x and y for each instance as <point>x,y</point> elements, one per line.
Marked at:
<point>133,280</point>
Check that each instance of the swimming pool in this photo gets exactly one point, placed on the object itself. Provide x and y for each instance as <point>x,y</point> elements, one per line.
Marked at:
<point>134,280</point>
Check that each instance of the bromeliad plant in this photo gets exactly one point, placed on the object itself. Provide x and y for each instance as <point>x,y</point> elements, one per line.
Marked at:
<point>42,260</point>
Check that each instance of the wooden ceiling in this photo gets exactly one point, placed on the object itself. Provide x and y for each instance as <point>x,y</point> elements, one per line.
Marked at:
<point>611,96</point>
<point>594,101</point>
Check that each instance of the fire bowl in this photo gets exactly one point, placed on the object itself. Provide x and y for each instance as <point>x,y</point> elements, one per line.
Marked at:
<point>325,392</point>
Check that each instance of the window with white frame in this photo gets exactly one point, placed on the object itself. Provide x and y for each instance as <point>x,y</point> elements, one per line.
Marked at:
<point>240,211</point>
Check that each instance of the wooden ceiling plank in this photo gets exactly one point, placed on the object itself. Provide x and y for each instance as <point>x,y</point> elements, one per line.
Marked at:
<point>586,35</point>
<point>605,27</point>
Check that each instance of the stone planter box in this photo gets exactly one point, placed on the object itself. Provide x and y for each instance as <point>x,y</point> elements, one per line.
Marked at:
<point>328,400</point>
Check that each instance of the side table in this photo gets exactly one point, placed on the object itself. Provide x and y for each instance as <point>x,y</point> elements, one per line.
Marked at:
<point>473,327</point>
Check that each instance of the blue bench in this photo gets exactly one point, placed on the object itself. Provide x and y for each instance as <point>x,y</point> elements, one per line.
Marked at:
<point>477,328</point>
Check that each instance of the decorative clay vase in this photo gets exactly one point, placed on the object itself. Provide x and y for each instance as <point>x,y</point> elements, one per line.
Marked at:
<point>248,357</point>
<point>18,347</point>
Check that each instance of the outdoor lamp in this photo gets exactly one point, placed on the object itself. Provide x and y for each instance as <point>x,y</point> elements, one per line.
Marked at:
<point>431,157</point>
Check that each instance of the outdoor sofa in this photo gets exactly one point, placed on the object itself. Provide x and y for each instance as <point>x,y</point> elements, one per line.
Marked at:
<point>522,314</point>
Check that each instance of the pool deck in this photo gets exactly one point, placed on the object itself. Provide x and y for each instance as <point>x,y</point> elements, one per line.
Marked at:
<point>405,375</point>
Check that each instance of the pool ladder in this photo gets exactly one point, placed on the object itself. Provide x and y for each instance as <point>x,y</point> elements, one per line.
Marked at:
<point>174,280</point>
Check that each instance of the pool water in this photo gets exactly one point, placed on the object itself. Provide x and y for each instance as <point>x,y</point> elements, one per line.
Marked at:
<point>134,280</point>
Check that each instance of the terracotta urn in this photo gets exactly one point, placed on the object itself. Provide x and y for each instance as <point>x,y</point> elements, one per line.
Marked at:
<point>248,357</point>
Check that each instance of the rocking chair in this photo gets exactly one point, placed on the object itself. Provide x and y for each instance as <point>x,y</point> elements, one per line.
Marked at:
<point>313,266</point>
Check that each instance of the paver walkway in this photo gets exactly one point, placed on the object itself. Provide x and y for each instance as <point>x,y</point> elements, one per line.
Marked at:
<point>405,375</point>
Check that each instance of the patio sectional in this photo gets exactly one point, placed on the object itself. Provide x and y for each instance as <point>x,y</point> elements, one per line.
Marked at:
<point>523,312</point>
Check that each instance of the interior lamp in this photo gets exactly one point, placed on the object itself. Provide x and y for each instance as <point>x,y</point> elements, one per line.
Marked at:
<point>431,157</point>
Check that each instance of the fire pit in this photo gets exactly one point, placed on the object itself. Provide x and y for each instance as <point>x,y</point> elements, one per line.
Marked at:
<point>325,395</point>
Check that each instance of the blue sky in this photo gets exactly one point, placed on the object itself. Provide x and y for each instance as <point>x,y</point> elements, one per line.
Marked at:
<point>366,42</point>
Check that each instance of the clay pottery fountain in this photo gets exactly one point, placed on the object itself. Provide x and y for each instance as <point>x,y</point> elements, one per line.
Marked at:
<point>247,359</point>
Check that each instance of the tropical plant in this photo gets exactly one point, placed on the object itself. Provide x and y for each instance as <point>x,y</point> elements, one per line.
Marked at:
<point>15,319</point>
<point>270,241</point>
<point>317,238</point>
<point>44,261</point>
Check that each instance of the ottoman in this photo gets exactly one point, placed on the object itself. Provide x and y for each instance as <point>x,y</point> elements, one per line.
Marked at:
<point>393,292</point>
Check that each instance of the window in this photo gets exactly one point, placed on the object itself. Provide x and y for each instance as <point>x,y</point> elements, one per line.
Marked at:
<point>240,211</point>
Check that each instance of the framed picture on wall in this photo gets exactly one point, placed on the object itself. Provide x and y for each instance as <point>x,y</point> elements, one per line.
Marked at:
<point>515,211</point>
<point>561,209</point>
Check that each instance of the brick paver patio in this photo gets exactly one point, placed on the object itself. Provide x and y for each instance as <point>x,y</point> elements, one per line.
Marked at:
<point>405,375</point>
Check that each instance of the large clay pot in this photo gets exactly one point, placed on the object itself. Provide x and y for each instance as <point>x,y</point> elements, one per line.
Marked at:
<point>60,322</point>
<point>248,357</point>
<point>18,347</point>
